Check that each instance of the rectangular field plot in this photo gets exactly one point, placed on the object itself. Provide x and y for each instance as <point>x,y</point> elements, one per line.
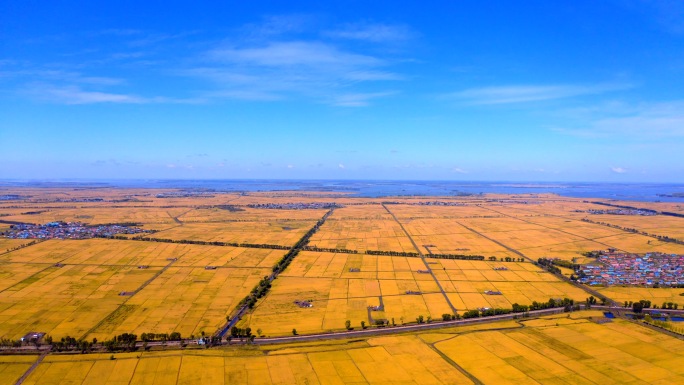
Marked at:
<point>406,212</point>
<point>659,224</point>
<point>589,353</point>
<point>378,361</point>
<point>465,282</point>
<point>101,215</point>
<point>8,244</point>
<point>182,299</point>
<point>361,212</point>
<point>13,367</point>
<point>339,294</point>
<point>66,300</point>
<point>362,235</point>
<point>444,236</point>
<point>137,253</point>
<point>250,214</point>
<point>656,295</point>
<point>275,233</point>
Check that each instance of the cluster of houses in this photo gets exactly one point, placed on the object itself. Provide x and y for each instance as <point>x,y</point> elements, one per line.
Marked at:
<point>304,304</point>
<point>295,206</point>
<point>67,230</point>
<point>642,212</point>
<point>438,203</point>
<point>652,269</point>
<point>185,194</point>
<point>10,197</point>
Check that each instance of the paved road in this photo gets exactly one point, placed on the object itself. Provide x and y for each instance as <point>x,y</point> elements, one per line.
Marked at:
<point>402,329</point>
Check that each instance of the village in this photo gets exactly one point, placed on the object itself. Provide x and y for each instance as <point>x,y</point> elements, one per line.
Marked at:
<point>68,230</point>
<point>641,212</point>
<point>651,269</point>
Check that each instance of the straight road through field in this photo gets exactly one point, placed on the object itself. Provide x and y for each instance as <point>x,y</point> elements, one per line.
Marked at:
<point>422,257</point>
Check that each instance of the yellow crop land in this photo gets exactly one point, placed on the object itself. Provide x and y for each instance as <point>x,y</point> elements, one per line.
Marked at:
<point>276,233</point>
<point>551,349</point>
<point>13,367</point>
<point>656,295</point>
<point>362,235</point>
<point>105,287</point>
<point>81,297</point>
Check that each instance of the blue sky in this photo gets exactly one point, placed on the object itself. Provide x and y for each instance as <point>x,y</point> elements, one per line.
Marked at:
<point>581,91</point>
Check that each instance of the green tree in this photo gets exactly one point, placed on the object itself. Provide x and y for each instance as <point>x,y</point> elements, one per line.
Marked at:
<point>637,307</point>
<point>347,324</point>
<point>294,332</point>
<point>363,324</point>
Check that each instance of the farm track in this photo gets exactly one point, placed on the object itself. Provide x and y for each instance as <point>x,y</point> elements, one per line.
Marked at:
<point>32,368</point>
<point>237,314</point>
<point>136,291</point>
<point>559,230</point>
<point>422,257</point>
<point>560,276</point>
<point>453,363</point>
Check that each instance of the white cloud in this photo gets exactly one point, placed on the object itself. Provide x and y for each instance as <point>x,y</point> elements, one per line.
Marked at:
<point>340,166</point>
<point>529,93</point>
<point>61,76</point>
<point>646,121</point>
<point>618,170</point>
<point>372,32</point>
<point>294,53</point>
<point>278,70</point>
<point>75,95</point>
<point>458,170</point>
<point>359,99</point>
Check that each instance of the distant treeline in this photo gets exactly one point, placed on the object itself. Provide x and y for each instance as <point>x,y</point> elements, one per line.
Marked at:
<point>204,243</point>
<point>637,208</point>
<point>663,238</point>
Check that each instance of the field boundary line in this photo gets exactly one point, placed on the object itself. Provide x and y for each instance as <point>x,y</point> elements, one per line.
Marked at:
<point>422,257</point>
<point>31,368</point>
<point>136,291</point>
<point>453,363</point>
<point>559,230</point>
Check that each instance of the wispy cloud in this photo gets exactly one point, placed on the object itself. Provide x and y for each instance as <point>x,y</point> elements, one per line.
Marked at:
<point>62,76</point>
<point>294,53</point>
<point>645,121</point>
<point>358,99</point>
<point>377,33</point>
<point>618,170</point>
<point>284,69</point>
<point>77,95</point>
<point>530,93</point>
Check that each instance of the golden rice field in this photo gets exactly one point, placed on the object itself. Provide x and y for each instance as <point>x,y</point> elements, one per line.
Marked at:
<point>275,233</point>
<point>656,295</point>
<point>73,288</point>
<point>566,348</point>
<point>250,214</point>
<point>82,297</point>
<point>339,294</point>
<point>13,367</point>
<point>362,235</point>
<point>100,215</point>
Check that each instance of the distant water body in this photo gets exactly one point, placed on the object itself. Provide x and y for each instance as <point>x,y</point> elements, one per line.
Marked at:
<point>645,192</point>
